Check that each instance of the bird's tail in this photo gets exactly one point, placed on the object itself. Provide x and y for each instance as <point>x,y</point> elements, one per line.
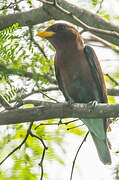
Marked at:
<point>102,149</point>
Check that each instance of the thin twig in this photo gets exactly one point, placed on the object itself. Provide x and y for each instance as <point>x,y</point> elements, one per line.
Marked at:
<point>66,123</point>
<point>41,163</point>
<point>4,102</point>
<point>48,97</point>
<point>39,47</point>
<point>75,127</point>
<point>97,39</point>
<point>40,91</point>
<point>57,124</point>
<point>33,40</point>
<point>99,7</point>
<point>18,147</point>
<point>33,135</point>
<point>85,26</point>
<point>82,31</point>
<point>43,154</point>
<point>77,154</point>
<point>22,101</point>
<point>11,5</point>
<point>112,79</point>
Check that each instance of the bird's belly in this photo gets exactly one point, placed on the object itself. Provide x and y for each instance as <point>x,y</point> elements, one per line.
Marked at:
<point>79,89</point>
<point>78,93</point>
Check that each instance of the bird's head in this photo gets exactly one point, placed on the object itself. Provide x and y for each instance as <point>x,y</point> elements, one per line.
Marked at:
<point>61,34</point>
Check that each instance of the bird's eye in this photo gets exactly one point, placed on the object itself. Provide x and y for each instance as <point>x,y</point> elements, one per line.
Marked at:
<point>61,27</point>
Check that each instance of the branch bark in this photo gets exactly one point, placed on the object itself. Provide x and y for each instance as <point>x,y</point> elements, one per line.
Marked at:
<point>48,12</point>
<point>23,73</point>
<point>49,110</point>
<point>113,92</point>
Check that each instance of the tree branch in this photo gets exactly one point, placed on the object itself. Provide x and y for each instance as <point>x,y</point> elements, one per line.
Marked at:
<point>49,110</point>
<point>23,73</point>
<point>113,92</point>
<point>81,23</point>
<point>48,12</point>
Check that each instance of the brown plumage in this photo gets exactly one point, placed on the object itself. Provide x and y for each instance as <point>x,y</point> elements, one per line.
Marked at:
<point>80,78</point>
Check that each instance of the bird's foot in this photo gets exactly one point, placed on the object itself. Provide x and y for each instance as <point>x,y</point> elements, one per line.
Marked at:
<point>70,101</point>
<point>92,105</point>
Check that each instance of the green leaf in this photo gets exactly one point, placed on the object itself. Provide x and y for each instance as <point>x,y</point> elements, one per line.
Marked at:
<point>111,99</point>
<point>74,129</point>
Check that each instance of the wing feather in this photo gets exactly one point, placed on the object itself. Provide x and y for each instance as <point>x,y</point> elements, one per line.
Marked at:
<point>96,72</point>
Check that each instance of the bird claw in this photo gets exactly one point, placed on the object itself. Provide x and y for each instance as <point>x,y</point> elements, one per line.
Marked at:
<point>92,105</point>
<point>70,101</point>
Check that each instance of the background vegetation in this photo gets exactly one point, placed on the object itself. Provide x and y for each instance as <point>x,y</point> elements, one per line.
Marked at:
<point>27,80</point>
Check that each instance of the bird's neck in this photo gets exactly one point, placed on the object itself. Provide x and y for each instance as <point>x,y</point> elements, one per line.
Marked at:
<point>70,47</point>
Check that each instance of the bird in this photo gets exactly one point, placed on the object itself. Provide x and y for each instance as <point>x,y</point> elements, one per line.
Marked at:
<point>80,78</point>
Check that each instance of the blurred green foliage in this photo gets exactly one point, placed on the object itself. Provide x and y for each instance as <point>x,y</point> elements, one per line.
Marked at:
<point>22,67</point>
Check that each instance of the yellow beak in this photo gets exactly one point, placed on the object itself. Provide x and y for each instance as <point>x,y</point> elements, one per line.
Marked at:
<point>45,34</point>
